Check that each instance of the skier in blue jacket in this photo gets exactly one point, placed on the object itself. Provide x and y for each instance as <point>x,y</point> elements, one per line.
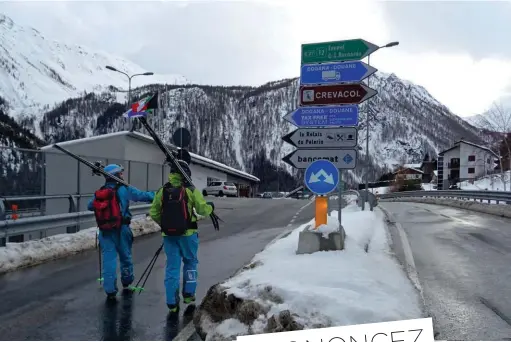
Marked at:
<point>116,239</point>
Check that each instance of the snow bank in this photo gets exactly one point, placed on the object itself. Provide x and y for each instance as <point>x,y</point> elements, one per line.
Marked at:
<point>282,291</point>
<point>428,186</point>
<point>493,209</point>
<point>493,183</point>
<point>33,252</point>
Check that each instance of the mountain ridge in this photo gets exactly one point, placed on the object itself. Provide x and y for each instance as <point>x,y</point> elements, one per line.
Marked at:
<point>240,126</point>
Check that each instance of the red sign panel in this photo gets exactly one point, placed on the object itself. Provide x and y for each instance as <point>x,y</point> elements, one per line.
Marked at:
<point>335,94</point>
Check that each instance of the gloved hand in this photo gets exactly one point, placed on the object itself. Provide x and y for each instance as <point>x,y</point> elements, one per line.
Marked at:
<point>153,193</point>
<point>211,204</point>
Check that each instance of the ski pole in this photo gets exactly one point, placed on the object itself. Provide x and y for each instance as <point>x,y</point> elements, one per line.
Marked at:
<point>151,269</point>
<point>148,268</point>
<point>98,246</point>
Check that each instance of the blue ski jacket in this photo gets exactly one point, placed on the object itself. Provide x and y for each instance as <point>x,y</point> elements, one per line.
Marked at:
<point>125,195</point>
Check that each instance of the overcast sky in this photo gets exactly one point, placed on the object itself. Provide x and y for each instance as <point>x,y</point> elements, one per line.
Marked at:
<point>459,51</point>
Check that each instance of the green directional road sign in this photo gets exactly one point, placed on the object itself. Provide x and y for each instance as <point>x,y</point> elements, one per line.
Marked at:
<point>344,50</point>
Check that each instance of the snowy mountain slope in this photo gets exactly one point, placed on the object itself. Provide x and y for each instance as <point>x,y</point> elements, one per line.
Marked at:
<point>239,126</point>
<point>474,120</point>
<point>234,124</point>
<point>36,72</point>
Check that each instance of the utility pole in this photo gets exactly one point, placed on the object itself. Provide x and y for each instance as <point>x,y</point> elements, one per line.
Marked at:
<point>391,44</point>
<point>129,87</point>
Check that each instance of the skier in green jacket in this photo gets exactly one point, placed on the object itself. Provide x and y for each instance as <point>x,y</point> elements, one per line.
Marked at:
<point>173,209</point>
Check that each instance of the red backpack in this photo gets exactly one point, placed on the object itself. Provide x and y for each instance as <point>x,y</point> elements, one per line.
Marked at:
<point>107,208</point>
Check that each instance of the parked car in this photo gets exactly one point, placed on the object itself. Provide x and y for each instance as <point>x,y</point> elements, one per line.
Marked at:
<point>267,195</point>
<point>221,188</point>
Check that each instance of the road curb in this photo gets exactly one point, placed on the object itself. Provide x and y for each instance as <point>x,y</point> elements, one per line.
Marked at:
<point>409,261</point>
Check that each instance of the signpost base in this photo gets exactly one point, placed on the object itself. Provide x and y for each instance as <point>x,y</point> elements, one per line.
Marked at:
<point>321,203</point>
<point>310,241</point>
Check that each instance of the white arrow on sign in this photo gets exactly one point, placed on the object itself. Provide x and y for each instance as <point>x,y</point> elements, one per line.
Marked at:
<point>323,137</point>
<point>314,178</point>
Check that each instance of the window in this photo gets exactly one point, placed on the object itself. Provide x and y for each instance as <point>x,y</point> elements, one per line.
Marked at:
<point>229,183</point>
<point>488,161</point>
<point>471,158</point>
<point>471,170</point>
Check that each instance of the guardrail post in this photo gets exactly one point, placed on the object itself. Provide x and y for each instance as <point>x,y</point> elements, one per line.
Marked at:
<point>147,177</point>
<point>72,209</point>
<point>3,240</point>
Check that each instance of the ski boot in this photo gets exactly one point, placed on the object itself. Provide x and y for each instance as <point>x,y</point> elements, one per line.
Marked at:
<point>174,308</point>
<point>111,297</point>
<point>189,300</point>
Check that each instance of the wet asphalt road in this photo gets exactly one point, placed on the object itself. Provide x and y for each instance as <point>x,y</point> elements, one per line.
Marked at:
<point>61,300</point>
<point>463,261</point>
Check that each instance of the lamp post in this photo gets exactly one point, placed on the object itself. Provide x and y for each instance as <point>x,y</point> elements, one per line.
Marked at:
<point>129,82</point>
<point>391,44</point>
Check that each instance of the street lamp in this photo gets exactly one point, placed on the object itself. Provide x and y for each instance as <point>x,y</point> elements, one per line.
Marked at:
<point>129,82</point>
<point>391,44</point>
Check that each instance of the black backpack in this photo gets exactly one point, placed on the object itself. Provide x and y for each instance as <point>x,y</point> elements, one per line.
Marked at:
<point>175,218</point>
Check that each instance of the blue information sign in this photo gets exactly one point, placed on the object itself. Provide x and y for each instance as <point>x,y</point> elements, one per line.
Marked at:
<point>324,116</point>
<point>332,73</point>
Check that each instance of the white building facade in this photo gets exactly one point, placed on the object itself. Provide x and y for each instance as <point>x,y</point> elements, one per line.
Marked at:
<point>464,161</point>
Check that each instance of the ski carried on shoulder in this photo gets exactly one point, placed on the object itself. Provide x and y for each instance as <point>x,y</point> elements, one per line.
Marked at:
<point>91,165</point>
<point>172,159</point>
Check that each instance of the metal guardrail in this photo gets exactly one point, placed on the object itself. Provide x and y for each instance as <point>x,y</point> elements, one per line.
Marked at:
<point>5,211</point>
<point>497,196</point>
<point>35,220</point>
<point>360,201</point>
<point>294,191</point>
<point>36,224</point>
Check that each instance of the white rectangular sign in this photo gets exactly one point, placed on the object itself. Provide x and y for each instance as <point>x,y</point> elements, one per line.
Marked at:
<point>412,330</point>
<point>345,158</point>
<point>323,137</point>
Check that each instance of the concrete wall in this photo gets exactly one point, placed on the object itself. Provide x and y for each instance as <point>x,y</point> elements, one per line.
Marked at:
<point>142,151</point>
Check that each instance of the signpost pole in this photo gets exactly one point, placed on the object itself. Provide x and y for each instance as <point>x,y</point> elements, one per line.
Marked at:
<point>365,199</point>
<point>341,229</point>
<point>320,218</point>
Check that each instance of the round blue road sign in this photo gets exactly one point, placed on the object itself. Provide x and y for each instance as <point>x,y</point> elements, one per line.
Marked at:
<point>321,177</point>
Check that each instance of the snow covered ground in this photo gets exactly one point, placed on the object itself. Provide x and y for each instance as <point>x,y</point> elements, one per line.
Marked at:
<point>492,183</point>
<point>323,289</point>
<point>29,253</point>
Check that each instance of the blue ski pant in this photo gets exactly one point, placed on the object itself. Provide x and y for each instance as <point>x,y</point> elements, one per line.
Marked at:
<point>179,248</point>
<point>113,243</point>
